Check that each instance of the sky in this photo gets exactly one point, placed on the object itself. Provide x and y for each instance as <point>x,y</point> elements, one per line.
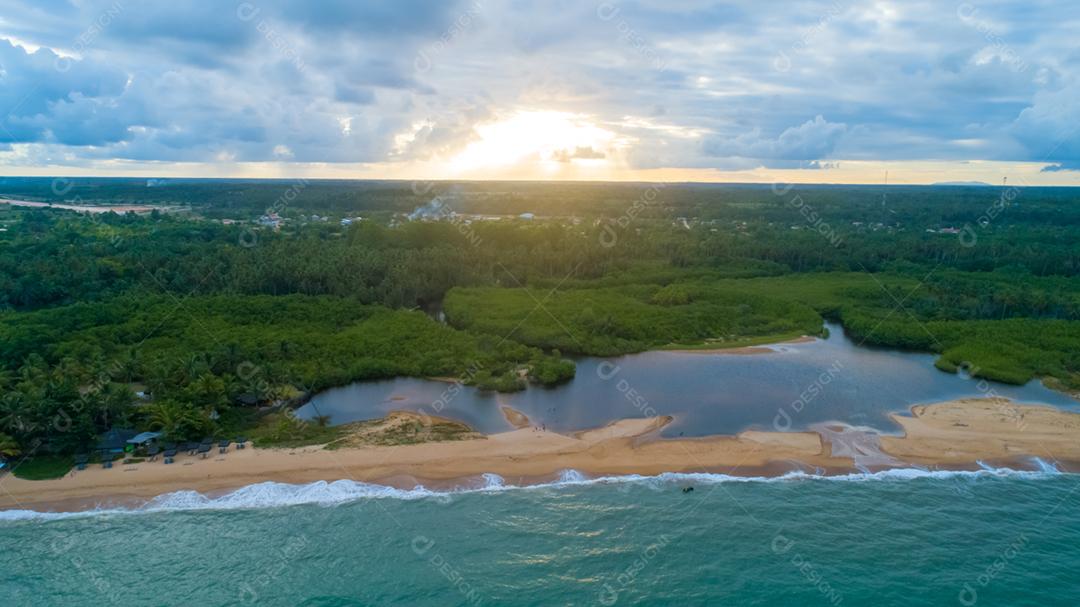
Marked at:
<point>832,91</point>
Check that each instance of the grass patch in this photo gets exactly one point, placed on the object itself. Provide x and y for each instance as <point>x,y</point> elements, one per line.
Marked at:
<point>282,430</point>
<point>43,467</point>
<point>402,428</point>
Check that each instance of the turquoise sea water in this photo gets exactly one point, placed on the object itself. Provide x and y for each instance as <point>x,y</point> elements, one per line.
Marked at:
<point>896,538</point>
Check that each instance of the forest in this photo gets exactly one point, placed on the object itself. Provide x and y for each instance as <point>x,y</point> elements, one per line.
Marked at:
<point>193,322</point>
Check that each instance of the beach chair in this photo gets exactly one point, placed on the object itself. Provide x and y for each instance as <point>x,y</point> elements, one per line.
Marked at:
<point>192,448</point>
<point>152,451</point>
<point>80,461</point>
<point>107,460</point>
<point>223,446</point>
<point>240,440</point>
<point>204,449</point>
<point>169,455</point>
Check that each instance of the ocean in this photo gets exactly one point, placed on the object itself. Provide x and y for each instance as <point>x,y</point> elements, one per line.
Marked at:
<point>903,537</point>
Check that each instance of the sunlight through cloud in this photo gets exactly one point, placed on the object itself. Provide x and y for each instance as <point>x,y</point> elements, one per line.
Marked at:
<point>539,138</point>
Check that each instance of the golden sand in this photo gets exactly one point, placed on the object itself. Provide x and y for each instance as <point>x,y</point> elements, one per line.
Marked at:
<point>954,433</point>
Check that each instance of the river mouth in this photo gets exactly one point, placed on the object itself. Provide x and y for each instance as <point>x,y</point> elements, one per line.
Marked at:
<point>792,386</point>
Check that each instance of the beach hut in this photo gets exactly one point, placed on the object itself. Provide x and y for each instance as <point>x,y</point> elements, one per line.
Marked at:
<point>145,441</point>
<point>115,440</point>
<point>144,438</point>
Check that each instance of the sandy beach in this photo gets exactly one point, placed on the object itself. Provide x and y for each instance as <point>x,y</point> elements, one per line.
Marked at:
<point>87,208</point>
<point>963,431</point>
<point>956,434</point>
<point>745,350</point>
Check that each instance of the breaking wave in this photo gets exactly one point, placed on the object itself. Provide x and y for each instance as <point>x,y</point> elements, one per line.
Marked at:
<point>330,493</point>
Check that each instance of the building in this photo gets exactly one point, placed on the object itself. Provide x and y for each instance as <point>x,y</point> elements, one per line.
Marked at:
<point>270,220</point>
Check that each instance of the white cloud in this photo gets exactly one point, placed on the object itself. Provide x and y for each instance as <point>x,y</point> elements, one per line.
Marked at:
<point>688,84</point>
<point>811,141</point>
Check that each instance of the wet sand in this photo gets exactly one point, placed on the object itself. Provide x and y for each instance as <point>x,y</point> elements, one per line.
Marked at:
<point>515,418</point>
<point>954,434</point>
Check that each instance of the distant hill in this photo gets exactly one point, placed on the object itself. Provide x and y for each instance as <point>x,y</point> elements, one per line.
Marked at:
<point>962,183</point>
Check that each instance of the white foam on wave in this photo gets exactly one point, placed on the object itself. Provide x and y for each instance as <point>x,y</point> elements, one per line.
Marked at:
<point>259,495</point>
<point>1045,466</point>
<point>324,493</point>
<point>572,476</point>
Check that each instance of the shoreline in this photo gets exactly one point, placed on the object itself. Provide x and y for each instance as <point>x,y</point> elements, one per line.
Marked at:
<point>957,435</point>
<point>92,209</point>
<point>764,348</point>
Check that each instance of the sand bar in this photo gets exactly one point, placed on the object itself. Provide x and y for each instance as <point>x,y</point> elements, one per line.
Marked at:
<point>967,430</point>
<point>87,208</point>
<point>744,350</point>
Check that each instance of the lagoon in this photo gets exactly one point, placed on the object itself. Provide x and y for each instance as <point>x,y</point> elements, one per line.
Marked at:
<point>791,387</point>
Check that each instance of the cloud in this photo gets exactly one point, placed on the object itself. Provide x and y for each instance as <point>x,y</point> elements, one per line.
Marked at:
<point>372,82</point>
<point>349,93</point>
<point>1059,167</point>
<point>51,98</point>
<point>583,153</point>
<point>809,142</point>
<point>1047,130</point>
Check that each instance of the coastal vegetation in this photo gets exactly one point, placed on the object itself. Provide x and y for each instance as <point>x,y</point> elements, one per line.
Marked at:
<point>83,363</point>
<point>618,320</point>
<point>402,428</point>
<point>195,326</point>
<point>279,429</point>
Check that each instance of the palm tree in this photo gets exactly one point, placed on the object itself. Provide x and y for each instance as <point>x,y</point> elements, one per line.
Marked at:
<point>33,369</point>
<point>287,427</point>
<point>114,403</point>
<point>97,367</point>
<point>193,366</point>
<point>70,368</point>
<point>158,379</point>
<point>12,406</point>
<point>173,419</point>
<point>231,356</point>
<point>126,366</point>
<point>208,390</point>
<point>8,447</point>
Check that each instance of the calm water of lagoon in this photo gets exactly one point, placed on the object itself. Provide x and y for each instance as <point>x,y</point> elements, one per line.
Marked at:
<point>790,388</point>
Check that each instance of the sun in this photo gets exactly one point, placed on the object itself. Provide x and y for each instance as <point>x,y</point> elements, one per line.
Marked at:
<point>537,139</point>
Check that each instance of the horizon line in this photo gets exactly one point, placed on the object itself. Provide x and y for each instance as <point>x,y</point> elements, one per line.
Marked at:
<point>959,183</point>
